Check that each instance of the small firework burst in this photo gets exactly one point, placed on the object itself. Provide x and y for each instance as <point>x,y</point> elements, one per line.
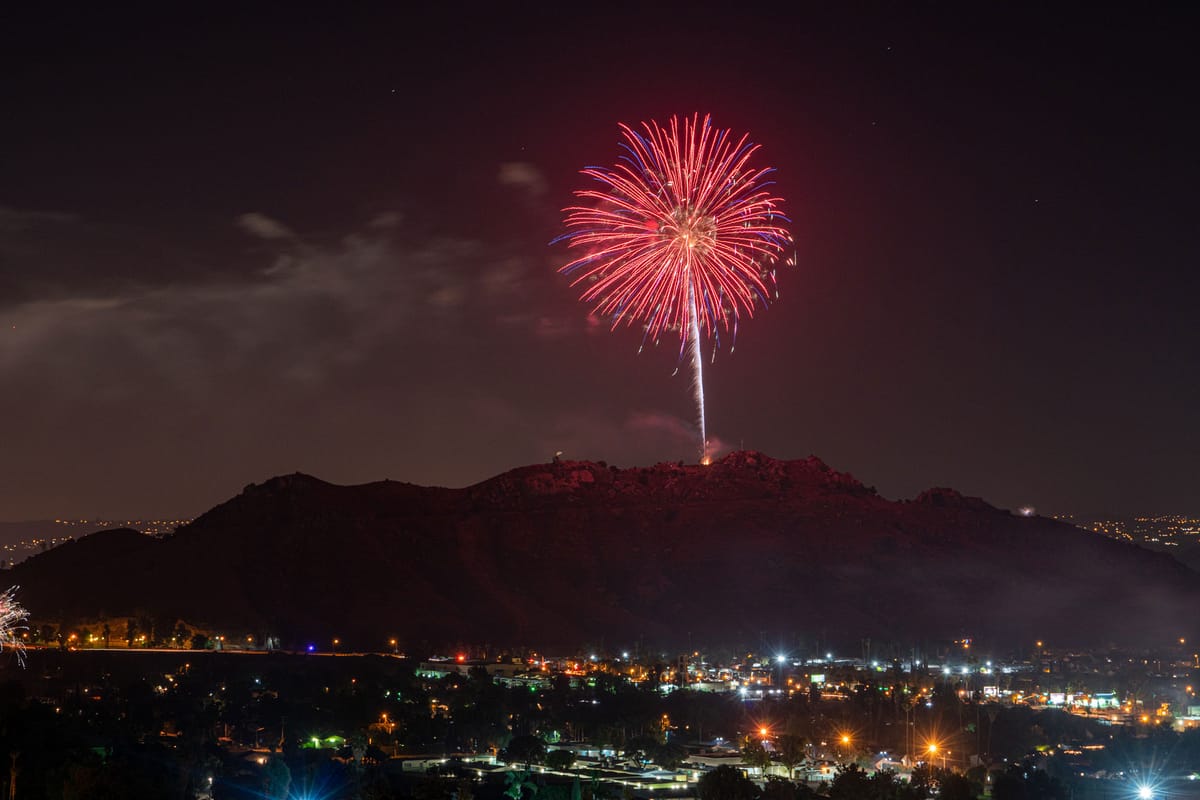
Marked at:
<point>12,623</point>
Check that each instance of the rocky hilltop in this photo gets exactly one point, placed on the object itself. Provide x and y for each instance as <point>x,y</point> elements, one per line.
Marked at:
<point>577,551</point>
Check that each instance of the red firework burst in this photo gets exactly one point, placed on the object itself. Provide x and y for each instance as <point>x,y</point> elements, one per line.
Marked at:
<point>684,234</point>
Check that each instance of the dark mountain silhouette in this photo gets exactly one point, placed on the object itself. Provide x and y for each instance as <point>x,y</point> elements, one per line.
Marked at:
<point>574,552</point>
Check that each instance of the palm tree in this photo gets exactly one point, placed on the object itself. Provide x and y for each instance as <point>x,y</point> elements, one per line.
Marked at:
<point>516,783</point>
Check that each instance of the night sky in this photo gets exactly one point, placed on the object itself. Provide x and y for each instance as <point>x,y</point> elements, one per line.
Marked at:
<point>237,244</point>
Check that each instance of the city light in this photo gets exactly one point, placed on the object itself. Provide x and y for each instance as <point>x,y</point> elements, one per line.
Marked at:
<point>749,679</point>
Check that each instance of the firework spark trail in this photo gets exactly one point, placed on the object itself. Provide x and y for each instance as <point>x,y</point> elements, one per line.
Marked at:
<point>12,622</point>
<point>681,237</point>
<point>698,372</point>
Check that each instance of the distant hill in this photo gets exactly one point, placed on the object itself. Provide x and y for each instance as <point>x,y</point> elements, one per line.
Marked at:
<point>1188,554</point>
<point>19,540</point>
<point>577,551</point>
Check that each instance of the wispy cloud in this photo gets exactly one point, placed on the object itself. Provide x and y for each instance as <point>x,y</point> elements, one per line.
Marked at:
<point>302,313</point>
<point>523,175</point>
<point>264,227</point>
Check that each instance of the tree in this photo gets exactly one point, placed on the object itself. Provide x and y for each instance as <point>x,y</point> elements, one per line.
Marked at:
<point>1023,782</point>
<point>851,783</point>
<point>526,750</point>
<point>952,786</point>
<point>791,752</point>
<point>754,755</point>
<point>594,789</point>
<point>640,749</point>
<point>725,783</point>
<point>922,781</point>
<point>560,759</point>
<point>516,783</point>
<point>887,786</point>
<point>668,755</point>
<point>777,788</point>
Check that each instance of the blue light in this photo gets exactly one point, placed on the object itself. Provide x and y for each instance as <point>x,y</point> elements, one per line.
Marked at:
<point>312,647</point>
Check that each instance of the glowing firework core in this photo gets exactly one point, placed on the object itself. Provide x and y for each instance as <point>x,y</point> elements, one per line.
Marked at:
<point>696,234</point>
<point>682,238</point>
